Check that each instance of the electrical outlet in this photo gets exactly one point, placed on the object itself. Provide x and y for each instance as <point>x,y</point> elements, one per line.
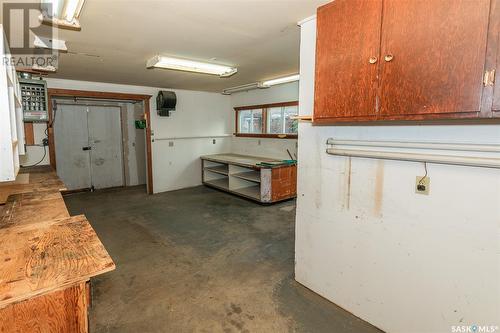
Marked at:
<point>170,143</point>
<point>258,142</point>
<point>422,185</point>
<point>214,141</point>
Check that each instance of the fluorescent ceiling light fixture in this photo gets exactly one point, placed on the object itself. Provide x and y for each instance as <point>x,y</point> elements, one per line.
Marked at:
<point>72,9</point>
<point>261,85</point>
<point>281,80</point>
<point>245,87</point>
<point>191,66</point>
<point>51,44</point>
<point>63,13</point>
<point>50,69</point>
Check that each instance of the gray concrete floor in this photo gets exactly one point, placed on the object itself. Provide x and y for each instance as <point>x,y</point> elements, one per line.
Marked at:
<point>199,260</point>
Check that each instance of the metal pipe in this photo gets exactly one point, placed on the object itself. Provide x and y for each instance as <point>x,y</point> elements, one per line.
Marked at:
<point>194,137</point>
<point>485,162</point>
<point>418,145</point>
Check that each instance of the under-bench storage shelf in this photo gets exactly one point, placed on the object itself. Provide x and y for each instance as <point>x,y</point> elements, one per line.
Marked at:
<point>245,176</point>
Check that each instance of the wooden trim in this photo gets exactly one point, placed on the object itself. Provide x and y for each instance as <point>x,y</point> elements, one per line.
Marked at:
<point>275,136</point>
<point>147,114</point>
<point>29,134</point>
<point>50,131</point>
<point>54,92</point>
<point>491,58</point>
<point>264,120</point>
<point>96,94</point>
<point>266,106</point>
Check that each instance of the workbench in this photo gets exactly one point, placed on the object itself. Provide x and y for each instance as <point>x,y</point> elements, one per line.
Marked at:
<point>260,179</point>
<point>46,258</point>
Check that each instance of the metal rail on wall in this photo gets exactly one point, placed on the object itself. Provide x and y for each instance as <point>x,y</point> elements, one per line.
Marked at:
<point>367,149</point>
<point>195,137</point>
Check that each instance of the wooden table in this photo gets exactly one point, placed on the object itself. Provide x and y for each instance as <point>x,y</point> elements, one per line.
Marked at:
<point>21,208</point>
<point>38,179</point>
<point>46,258</point>
<point>260,179</point>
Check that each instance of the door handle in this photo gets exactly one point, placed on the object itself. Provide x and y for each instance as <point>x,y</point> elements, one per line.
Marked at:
<point>388,57</point>
<point>87,148</point>
<point>373,60</point>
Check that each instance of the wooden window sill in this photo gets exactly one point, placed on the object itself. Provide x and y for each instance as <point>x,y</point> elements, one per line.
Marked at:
<point>269,136</point>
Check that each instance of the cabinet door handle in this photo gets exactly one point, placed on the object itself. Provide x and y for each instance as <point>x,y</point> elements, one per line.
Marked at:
<point>373,60</point>
<point>388,57</point>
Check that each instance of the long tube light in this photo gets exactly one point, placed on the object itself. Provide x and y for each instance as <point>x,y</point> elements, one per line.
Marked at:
<point>190,66</point>
<point>261,85</point>
<point>244,87</point>
<point>281,80</point>
<point>62,13</point>
<point>51,44</point>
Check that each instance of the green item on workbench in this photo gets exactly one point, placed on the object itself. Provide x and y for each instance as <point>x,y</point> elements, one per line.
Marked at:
<point>277,163</point>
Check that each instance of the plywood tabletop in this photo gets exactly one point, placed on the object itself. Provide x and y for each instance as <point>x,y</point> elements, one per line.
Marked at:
<point>37,181</point>
<point>243,160</point>
<point>33,207</point>
<point>39,258</point>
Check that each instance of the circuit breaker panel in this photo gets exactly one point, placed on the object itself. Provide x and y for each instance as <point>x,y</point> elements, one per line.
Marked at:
<point>34,99</point>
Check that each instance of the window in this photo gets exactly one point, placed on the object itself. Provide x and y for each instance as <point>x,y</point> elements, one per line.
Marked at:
<point>272,120</point>
<point>250,121</point>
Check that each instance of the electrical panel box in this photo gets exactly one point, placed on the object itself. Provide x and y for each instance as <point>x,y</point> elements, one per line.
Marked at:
<point>34,99</point>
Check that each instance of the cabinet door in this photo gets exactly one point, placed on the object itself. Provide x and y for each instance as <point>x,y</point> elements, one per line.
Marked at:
<point>348,36</point>
<point>433,55</point>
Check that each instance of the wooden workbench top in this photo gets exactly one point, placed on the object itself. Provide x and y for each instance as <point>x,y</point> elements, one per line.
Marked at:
<point>31,180</point>
<point>39,258</point>
<point>236,159</point>
<point>33,207</point>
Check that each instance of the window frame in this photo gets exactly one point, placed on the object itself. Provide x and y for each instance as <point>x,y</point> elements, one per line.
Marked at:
<point>264,108</point>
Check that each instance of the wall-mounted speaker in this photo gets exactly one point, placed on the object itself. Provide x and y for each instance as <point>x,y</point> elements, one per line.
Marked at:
<point>165,103</point>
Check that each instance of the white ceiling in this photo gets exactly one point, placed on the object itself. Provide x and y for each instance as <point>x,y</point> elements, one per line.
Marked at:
<point>260,37</point>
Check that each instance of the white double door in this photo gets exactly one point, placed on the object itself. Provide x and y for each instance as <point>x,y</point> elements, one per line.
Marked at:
<point>88,142</point>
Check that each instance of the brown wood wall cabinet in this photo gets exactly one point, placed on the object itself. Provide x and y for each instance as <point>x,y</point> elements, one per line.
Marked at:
<point>385,60</point>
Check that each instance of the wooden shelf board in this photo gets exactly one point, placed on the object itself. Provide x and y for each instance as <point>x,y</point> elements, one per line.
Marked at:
<point>222,183</point>
<point>253,176</point>
<point>221,169</point>
<point>252,192</point>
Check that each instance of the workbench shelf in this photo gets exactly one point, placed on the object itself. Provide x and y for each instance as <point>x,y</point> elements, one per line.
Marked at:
<point>245,176</point>
<point>221,169</point>
<point>221,183</point>
<point>253,176</point>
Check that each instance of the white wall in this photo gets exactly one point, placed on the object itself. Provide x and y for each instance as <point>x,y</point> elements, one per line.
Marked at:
<point>34,154</point>
<point>176,165</point>
<point>265,147</point>
<point>402,261</point>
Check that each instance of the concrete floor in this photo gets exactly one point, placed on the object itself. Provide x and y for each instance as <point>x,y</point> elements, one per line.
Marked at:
<point>199,260</point>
